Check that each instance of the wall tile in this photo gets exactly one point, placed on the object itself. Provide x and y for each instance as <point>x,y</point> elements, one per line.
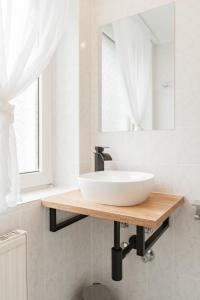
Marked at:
<point>59,264</point>
<point>173,156</point>
<point>188,146</point>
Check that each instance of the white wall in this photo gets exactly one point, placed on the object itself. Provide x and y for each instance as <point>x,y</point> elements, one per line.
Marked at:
<point>66,103</point>
<point>174,157</point>
<point>58,263</point>
<point>84,87</point>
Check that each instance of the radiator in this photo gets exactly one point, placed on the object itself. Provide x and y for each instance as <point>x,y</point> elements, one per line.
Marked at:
<point>13,266</point>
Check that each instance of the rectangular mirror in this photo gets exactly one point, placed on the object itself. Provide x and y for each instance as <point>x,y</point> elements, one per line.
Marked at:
<point>137,72</point>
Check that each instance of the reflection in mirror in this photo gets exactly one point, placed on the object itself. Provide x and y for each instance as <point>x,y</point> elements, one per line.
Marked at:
<point>137,80</point>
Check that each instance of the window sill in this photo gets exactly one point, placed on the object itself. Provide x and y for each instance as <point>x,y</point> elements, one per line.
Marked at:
<point>43,193</point>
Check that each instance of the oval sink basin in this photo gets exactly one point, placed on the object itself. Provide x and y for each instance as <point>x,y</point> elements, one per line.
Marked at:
<point>120,188</point>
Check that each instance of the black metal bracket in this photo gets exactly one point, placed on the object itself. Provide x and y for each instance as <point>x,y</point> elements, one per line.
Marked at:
<point>136,242</point>
<point>54,226</point>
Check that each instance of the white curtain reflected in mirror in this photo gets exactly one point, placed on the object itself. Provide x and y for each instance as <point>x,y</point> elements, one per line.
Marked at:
<point>138,72</point>
<point>134,48</point>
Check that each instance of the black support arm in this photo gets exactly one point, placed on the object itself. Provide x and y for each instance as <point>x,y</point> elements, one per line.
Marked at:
<point>54,226</point>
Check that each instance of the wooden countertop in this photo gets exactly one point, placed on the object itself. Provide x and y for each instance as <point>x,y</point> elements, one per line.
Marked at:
<point>150,213</point>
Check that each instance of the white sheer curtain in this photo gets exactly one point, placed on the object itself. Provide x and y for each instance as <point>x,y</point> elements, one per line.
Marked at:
<point>29,33</point>
<point>134,52</point>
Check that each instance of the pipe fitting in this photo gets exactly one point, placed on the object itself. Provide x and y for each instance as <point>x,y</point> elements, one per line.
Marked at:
<point>149,256</point>
<point>124,245</point>
<point>197,213</point>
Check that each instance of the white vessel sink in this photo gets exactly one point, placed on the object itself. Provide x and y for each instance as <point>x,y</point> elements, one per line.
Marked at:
<point>120,188</point>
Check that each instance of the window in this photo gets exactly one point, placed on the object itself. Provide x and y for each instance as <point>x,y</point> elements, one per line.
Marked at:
<point>115,115</point>
<point>27,129</point>
<point>33,133</point>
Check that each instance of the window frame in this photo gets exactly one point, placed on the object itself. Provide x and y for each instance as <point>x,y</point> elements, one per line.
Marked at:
<point>44,176</point>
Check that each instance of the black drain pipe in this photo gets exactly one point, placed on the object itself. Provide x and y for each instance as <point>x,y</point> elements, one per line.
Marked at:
<point>118,254</point>
<point>137,242</point>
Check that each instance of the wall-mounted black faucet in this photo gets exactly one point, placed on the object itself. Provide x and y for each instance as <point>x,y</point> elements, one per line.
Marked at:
<point>100,158</point>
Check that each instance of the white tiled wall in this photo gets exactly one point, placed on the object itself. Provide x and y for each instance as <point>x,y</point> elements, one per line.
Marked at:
<point>58,263</point>
<point>174,157</point>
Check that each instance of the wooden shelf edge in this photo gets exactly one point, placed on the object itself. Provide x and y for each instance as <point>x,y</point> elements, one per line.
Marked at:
<point>64,202</point>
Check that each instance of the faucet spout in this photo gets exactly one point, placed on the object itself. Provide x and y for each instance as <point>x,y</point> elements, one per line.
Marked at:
<point>106,156</point>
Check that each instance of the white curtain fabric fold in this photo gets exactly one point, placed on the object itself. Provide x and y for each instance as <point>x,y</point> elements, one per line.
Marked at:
<point>134,52</point>
<point>29,33</point>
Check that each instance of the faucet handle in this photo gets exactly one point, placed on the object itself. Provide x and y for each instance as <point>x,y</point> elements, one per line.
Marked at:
<point>100,149</point>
